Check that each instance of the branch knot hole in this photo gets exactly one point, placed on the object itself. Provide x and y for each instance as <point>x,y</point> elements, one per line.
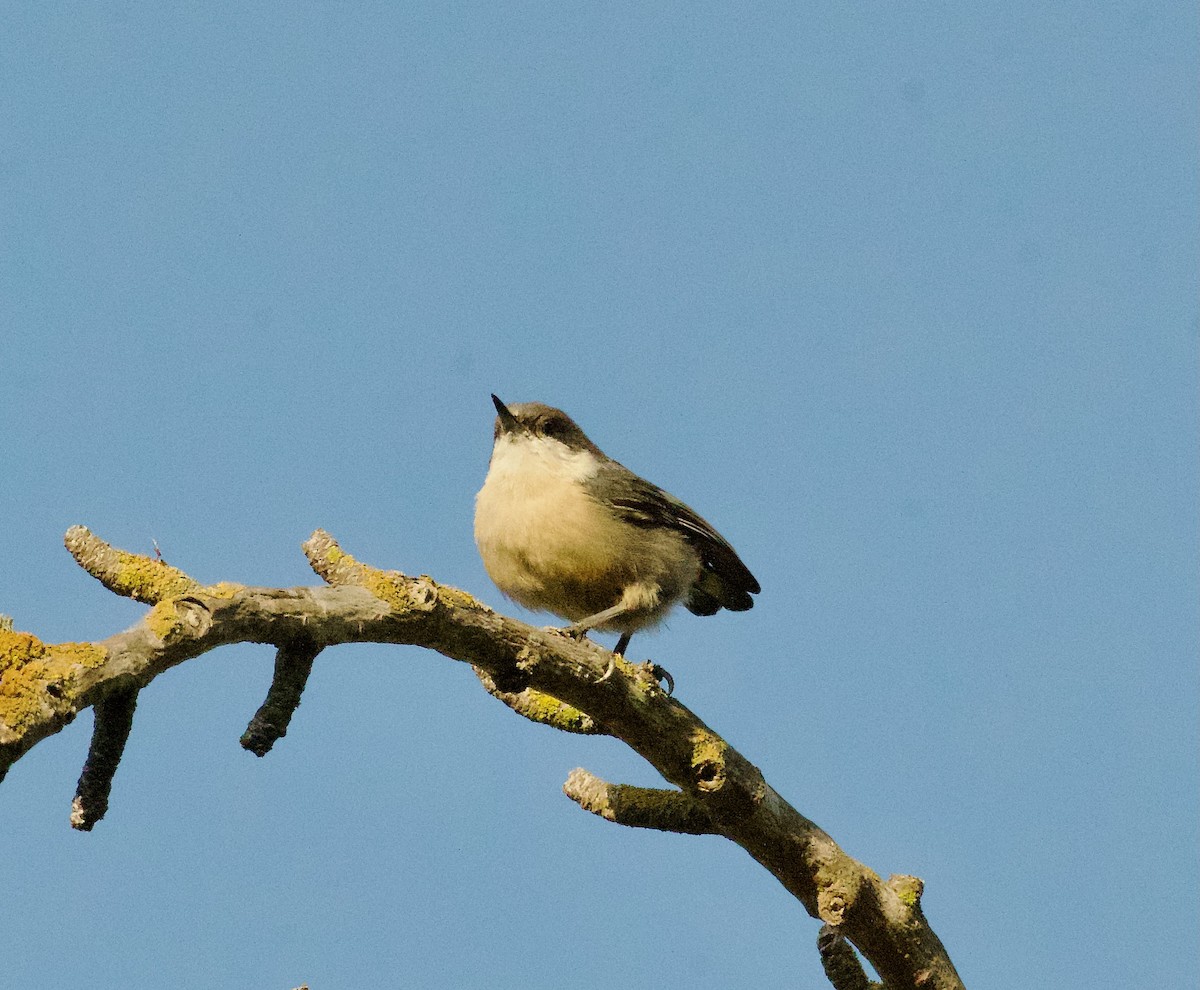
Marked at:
<point>831,906</point>
<point>838,894</point>
<point>708,762</point>
<point>194,615</point>
<point>180,618</point>
<point>709,774</point>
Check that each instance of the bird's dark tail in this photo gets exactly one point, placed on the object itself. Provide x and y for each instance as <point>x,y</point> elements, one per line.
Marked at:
<point>711,593</point>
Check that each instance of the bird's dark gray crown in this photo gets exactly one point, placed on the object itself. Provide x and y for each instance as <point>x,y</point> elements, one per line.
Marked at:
<point>541,420</point>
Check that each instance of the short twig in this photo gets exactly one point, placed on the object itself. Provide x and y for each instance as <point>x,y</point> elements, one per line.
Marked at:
<point>638,807</point>
<point>841,962</point>
<point>114,719</point>
<point>293,664</point>
<point>537,706</point>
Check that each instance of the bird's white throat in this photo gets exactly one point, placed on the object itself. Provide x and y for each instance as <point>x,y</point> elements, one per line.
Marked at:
<point>520,461</point>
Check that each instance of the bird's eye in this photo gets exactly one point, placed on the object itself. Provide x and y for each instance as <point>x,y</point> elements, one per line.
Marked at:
<point>554,427</point>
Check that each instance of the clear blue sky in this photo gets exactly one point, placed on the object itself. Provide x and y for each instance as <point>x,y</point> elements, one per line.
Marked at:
<point>902,297</point>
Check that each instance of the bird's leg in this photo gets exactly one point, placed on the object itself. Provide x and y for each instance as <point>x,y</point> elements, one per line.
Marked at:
<point>619,649</point>
<point>577,630</point>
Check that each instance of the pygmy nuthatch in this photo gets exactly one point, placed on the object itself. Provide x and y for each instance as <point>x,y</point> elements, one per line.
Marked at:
<point>563,528</point>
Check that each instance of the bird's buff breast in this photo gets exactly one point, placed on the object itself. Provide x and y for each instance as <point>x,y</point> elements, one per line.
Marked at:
<point>544,541</point>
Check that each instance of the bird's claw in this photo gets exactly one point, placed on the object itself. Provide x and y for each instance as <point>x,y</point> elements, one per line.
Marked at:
<point>662,674</point>
<point>608,671</point>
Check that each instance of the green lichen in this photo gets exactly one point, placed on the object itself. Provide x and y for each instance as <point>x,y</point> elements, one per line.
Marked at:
<point>652,804</point>
<point>639,676</point>
<point>907,888</point>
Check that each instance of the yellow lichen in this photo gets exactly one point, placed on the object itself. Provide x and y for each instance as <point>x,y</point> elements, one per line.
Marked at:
<point>547,709</point>
<point>457,598</point>
<point>18,648</point>
<point>162,618</point>
<point>37,679</point>
<point>83,654</point>
<point>385,588</point>
<point>147,580</point>
<point>708,749</point>
<point>401,593</point>
<point>708,760</point>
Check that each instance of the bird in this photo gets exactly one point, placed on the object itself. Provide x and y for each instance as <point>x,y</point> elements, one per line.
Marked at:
<point>563,528</point>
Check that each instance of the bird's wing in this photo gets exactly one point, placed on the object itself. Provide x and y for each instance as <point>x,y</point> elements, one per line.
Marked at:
<point>642,504</point>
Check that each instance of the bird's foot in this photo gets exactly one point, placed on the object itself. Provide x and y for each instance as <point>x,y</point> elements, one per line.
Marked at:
<point>572,632</point>
<point>575,631</point>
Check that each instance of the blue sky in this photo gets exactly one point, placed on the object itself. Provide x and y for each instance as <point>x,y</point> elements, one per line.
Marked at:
<point>902,297</point>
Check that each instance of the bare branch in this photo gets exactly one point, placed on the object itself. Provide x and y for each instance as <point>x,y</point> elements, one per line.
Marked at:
<point>43,686</point>
<point>114,719</point>
<point>638,807</point>
<point>840,962</point>
<point>293,664</point>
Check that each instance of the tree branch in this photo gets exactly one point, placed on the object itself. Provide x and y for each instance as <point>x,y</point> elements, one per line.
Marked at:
<point>114,719</point>
<point>293,664</point>
<point>840,963</point>
<point>540,707</point>
<point>43,686</point>
<point>638,807</point>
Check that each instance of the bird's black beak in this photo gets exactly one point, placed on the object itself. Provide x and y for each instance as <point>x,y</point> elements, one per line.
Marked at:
<point>508,422</point>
